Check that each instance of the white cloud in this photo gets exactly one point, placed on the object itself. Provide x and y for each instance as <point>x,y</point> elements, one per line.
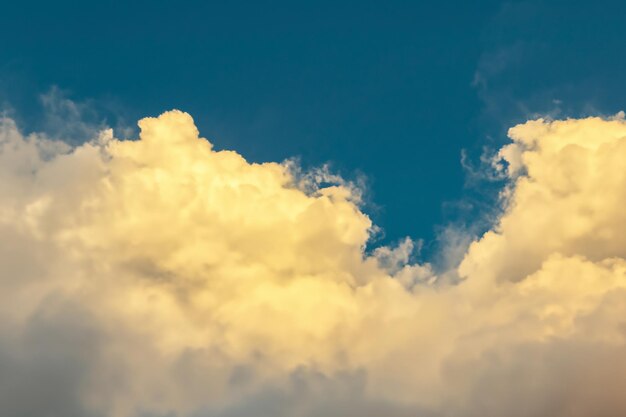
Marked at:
<point>161,277</point>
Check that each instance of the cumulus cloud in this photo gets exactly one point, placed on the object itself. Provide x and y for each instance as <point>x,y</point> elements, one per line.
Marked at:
<point>160,277</point>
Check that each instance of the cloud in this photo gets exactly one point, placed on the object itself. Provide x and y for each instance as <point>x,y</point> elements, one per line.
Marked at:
<point>159,277</point>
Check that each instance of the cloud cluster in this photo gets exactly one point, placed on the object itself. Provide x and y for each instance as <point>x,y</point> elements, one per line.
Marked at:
<point>159,277</point>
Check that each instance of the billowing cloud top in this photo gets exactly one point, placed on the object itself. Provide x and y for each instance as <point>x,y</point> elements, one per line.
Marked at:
<point>159,277</point>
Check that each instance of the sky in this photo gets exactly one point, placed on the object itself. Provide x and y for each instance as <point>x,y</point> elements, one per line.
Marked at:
<point>392,93</point>
<point>312,209</point>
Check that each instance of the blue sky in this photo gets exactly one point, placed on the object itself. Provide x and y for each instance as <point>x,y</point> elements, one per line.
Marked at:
<point>394,91</point>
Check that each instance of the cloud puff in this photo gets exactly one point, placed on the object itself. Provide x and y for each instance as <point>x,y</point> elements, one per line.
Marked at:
<point>159,277</point>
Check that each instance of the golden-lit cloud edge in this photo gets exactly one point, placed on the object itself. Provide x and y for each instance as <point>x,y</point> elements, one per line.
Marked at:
<point>160,277</point>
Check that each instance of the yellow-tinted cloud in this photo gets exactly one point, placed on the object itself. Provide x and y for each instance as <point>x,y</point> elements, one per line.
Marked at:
<point>168,278</point>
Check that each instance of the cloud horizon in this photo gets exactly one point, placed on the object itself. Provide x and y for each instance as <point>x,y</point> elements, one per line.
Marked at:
<point>160,277</point>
